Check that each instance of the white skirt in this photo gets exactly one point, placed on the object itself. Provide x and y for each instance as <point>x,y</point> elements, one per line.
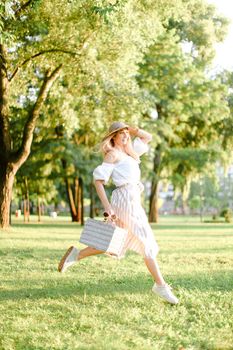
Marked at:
<point>126,203</point>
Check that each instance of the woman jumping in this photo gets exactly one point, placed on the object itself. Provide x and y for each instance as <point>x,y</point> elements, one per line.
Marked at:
<point>121,163</point>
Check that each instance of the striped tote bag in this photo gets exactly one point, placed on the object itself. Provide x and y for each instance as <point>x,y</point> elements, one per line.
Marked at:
<point>104,236</point>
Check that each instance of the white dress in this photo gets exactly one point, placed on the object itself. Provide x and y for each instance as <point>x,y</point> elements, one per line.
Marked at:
<point>126,201</point>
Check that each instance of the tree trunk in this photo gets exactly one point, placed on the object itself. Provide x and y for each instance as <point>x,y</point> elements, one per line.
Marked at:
<point>7,176</point>
<point>73,209</point>
<point>11,161</point>
<point>38,208</point>
<point>185,207</point>
<point>42,208</point>
<point>26,204</point>
<point>185,196</point>
<point>154,209</point>
<point>74,195</point>
<point>7,173</point>
<point>91,201</point>
<point>23,152</point>
<point>76,198</point>
<point>81,200</point>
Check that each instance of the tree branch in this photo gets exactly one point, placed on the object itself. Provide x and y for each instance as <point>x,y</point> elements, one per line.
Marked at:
<point>22,7</point>
<point>39,54</point>
<point>29,127</point>
<point>3,61</point>
<point>5,140</point>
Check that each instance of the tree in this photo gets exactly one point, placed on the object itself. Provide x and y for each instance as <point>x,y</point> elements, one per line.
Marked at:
<point>188,102</point>
<point>93,49</point>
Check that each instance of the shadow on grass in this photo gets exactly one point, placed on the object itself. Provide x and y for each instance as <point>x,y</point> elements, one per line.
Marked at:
<point>210,281</point>
<point>74,287</point>
<point>68,225</point>
<point>110,286</point>
<point>40,253</point>
<point>184,226</point>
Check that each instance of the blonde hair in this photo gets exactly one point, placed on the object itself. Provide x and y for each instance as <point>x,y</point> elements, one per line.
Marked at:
<point>108,145</point>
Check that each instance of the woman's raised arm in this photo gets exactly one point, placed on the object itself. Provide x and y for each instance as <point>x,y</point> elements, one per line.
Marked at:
<point>142,134</point>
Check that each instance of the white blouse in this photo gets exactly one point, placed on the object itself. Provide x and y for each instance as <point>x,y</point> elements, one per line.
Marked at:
<point>126,170</point>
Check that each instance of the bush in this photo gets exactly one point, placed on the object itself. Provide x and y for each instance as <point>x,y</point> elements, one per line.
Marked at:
<point>227,214</point>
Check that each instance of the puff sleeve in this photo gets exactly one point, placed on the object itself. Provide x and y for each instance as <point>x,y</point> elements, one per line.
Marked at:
<point>139,146</point>
<point>103,172</point>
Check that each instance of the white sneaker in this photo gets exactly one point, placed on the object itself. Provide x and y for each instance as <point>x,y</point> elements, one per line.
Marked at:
<point>165,293</point>
<point>68,259</point>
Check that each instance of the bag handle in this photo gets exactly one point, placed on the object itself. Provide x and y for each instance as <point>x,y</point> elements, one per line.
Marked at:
<point>112,217</point>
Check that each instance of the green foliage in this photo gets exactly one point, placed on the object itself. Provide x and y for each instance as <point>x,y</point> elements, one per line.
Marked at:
<point>119,59</point>
<point>99,45</point>
<point>191,159</point>
<point>227,214</point>
<point>201,31</point>
<point>189,102</point>
<point>99,48</point>
<point>214,193</point>
<point>225,126</point>
<point>195,202</point>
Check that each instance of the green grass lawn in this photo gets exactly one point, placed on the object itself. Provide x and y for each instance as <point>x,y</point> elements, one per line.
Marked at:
<point>103,303</point>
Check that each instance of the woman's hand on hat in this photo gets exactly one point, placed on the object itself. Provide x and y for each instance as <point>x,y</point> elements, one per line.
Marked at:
<point>133,130</point>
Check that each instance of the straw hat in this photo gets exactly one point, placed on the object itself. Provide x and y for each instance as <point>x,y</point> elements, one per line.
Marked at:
<point>114,127</point>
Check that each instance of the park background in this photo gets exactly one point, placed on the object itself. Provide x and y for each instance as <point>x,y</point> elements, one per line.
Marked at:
<point>67,70</point>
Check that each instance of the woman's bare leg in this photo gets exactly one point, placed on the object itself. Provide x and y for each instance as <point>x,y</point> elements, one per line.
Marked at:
<point>154,269</point>
<point>72,255</point>
<point>151,264</point>
<point>160,287</point>
<point>84,253</point>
